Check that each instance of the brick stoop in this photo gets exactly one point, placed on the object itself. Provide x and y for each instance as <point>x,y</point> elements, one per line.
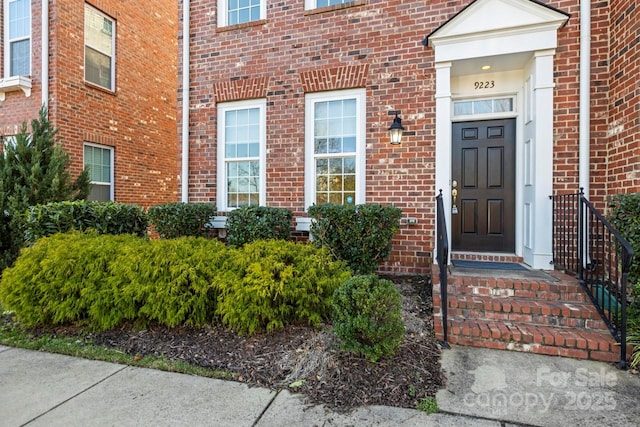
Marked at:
<point>544,313</point>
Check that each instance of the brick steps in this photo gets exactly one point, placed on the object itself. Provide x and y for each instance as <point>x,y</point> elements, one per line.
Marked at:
<point>552,316</point>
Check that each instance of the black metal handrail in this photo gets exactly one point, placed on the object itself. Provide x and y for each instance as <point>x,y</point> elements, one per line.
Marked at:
<point>442,256</point>
<point>587,245</point>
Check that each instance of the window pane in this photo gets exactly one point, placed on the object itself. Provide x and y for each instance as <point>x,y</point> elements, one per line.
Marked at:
<point>349,145</point>
<point>19,19</point>
<point>20,58</point>
<point>97,161</point>
<point>482,107</point>
<point>503,105</point>
<point>462,108</point>
<point>242,11</point>
<point>335,124</point>
<point>97,68</point>
<point>243,184</point>
<point>100,193</point>
<point>98,36</point>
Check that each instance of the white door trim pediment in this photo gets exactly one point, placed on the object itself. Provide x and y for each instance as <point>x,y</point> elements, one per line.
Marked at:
<point>497,27</point>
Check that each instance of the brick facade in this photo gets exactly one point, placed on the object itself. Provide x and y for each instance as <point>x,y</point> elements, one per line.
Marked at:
<point>138,119</point>
<point>376,45</point>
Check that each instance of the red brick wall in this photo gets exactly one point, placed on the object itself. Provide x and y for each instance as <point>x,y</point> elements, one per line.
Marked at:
<point>138,119</point>
<point>18,108</point>
<point>624,120</point>
<point>291,45</point>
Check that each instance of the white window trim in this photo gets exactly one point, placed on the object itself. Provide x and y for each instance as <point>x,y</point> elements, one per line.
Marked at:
<point>113,50</point>
<point>309,162</point>
<point>7,42</point>
<point>112,167</point>
<point>223,15</point>
<point>312,4</point>
<point>221,175</point>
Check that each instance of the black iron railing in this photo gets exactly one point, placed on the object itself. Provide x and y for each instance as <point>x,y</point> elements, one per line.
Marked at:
<point>442,249</point>
<point>587,245</point>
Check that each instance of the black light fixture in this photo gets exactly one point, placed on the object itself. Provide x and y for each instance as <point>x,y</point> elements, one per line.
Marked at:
<point>396,129</point>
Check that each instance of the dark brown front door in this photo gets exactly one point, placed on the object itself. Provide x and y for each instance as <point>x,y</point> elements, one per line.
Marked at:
<point>483,172</point>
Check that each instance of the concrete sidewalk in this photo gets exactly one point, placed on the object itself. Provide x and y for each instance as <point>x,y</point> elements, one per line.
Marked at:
<point>42,389</point>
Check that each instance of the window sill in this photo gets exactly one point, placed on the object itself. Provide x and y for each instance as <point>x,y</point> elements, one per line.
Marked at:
<point>243,25</point>
<point>303,224</point>
<point>13,84</point>
<point>218,222</point>
<point>335,7</point>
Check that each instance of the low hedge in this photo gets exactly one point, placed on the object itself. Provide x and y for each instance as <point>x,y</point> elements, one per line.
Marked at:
<point>250,223</point>
<point>81,215</point>
<point>173,220</point>
<point>101,281</point>
<point>360,235</point>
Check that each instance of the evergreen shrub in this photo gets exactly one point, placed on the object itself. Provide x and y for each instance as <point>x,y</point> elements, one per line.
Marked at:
<point>34,169</point>
<point>104,280</point>
<point>367,317</point>
<point>81,215</point>
<point>172,220</point>
<point>360,235</point>
<point>250,223</point>
<point>279,282</point>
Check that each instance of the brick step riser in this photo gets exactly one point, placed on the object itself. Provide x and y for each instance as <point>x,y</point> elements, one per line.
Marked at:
<point>550,295</point>
<point>549,340</point>
<point>478,305</point>
<point>569,322</point>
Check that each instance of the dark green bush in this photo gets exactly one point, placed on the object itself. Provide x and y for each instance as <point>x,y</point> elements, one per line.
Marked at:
<point>250,223</point>
<point>624,215</point>
<point>367,317</point>
<point>173,220</point>
<point>279,282</point>
<point>360,235</point>
<point>34,170</point>
<point>104,217</point>
<point>104,280</point>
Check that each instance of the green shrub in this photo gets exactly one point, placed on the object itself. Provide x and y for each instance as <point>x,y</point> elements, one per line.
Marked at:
<point>250,223</point>
<point>104,280</point>
<point>173,220</point>
<point>367,317</point>
<point>34,170</point>
<point>104,217</point>
<point>55,280</point>
<point>360,235</point>
<point>624,215</point>
<point>279,282</point>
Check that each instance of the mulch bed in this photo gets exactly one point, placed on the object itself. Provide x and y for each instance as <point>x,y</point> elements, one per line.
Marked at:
<point>306,360</point>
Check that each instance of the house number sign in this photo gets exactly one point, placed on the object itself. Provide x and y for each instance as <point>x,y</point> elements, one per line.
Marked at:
<point>487,84</point>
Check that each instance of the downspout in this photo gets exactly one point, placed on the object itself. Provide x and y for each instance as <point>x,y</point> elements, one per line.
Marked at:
<point>585,94</point>
<point>185,100</point>
<point>45,53</point>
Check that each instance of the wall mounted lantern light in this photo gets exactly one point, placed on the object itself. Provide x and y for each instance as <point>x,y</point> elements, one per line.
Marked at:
<point>396,129</point>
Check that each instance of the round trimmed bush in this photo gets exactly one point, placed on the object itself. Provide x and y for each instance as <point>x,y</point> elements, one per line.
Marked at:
<point>367,317</point>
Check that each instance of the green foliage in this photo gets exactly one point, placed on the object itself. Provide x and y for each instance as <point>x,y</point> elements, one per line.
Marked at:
<point>624,215</point>
<point>360,235</point>
<point>367,317</point>
<point>104,217</point>
<point>173,220</point>
<point>104,280</point>
<point>428,405</point>
<point>278,282</point>
<point>33,171</point>
<point>250,223</point>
